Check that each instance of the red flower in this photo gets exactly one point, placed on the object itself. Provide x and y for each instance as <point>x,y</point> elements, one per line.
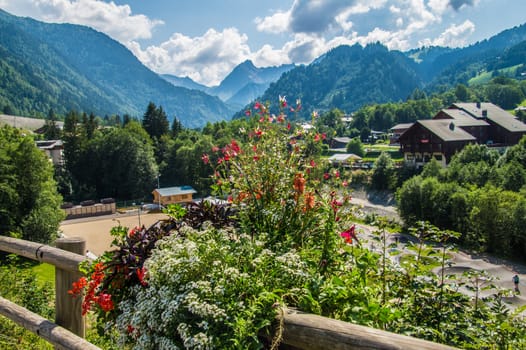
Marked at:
<point>309,201</point>
<point>349,235</point>
<point>299,183</point>
<point>326,176</point>
<point>248,113</point>
<point>257,105</point>
<point>215,148</point>
<point>205,158</point>
<point>141,272</point>
<point>105,302</point>
<point>78,286</point>
<point>317,137</point>
<point>312,163</point>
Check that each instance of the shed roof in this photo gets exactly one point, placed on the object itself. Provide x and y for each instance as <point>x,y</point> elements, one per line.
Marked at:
<point>176,190</point>
<point>342,157</point>
<point>401,126</point>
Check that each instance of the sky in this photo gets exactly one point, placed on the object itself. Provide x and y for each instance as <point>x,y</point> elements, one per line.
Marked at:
<point>206,39</point>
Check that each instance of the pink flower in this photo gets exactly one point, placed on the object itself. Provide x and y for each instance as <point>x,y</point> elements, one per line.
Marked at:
<point>234,146</point>
<point>257,105</point>
<point>205,158</point>
<point>349,235</point>
<point>248,113</point>
<point>282,101</point>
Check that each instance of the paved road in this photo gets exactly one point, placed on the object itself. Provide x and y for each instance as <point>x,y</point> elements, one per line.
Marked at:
<point>500,271</point>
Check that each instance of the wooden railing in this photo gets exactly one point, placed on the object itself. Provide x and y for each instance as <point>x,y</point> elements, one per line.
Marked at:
<point>69,330</point>
<point>300,330</point>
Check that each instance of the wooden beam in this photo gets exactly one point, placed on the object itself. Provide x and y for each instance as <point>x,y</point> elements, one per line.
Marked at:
<point>68,309</point>
<point>56,335</point>
<point>312,332</point>
<point>40,252</point>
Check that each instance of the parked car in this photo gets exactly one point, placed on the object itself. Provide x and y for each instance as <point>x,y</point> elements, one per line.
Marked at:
<point>152,207</point>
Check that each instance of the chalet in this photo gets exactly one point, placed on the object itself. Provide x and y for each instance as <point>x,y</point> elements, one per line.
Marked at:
<point>54,150</point>
<point>339,142</point>
<point>453,128</point>
<point>398,130</point>
<point>173,195</point>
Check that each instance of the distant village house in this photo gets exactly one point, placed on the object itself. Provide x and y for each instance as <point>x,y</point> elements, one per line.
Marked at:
<point>453,128</point>
<point>54,150</point>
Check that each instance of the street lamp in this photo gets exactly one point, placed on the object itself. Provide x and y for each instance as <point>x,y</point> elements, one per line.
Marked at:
<point>158,190</point>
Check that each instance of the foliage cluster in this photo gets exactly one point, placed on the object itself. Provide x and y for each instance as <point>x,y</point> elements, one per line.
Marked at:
<point>215,285</point>
<point>29,202</point>
<point>481,194</point>
<point>18,284</point>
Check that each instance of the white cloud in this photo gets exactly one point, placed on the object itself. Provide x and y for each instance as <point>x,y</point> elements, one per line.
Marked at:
<point>438,6</point>
<point>206,59</point>
<point>455,36</point>
<point>115,20</point>
<point>277,23</point>
<point>268,56</point>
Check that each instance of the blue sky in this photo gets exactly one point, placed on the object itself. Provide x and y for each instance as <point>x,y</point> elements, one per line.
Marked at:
<point>206,39</point>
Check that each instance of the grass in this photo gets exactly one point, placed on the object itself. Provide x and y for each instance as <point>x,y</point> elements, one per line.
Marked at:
<point>485,77</point>
<point>45,273</point>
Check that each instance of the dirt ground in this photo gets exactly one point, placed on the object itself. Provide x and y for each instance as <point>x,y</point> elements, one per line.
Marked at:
<point>96,230</point>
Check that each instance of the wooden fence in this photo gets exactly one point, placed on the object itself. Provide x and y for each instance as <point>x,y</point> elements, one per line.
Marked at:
<point>301,331</point>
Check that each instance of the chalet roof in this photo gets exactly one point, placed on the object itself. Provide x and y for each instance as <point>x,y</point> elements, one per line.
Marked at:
<point>446,130</point>
<point>173,191</point>
<point>402,126</point>
<point>462,118</point>
<point>50,144</point>
<point>493,113</point>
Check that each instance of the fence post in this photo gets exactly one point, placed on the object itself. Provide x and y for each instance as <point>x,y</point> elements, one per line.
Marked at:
<point>68,310</point>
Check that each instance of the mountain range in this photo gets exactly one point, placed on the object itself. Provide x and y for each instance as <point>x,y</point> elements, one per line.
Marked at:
<point>244,84</point>
<point>63,67</point>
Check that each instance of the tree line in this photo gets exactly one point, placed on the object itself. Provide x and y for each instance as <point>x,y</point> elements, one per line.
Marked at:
<point>481,194</point>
